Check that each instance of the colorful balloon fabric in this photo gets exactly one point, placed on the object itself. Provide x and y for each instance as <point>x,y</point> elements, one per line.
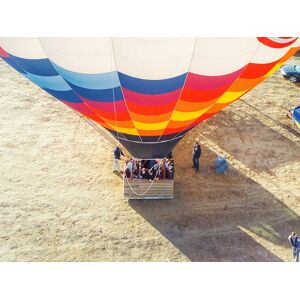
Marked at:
<point>147,92</point>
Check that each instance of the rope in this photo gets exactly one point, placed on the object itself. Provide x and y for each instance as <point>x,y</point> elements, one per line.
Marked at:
<point>113,90</point>
<point>113,50</point>
<point>92,124</point>
<point>193,122</point>
<point>164,141</point>
<point>85,103</point>
<point>184,83</point>
<point>142,194</point>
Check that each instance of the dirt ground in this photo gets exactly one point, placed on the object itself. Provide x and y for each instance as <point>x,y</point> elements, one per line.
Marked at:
<point>59,200</point>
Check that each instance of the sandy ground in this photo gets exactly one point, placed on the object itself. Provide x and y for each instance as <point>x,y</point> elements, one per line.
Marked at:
<point>59,200</point>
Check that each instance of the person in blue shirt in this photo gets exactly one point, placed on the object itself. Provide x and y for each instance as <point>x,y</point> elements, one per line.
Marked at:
<point>295,243</point>
<point>196,156</point>
<point>117,157</point>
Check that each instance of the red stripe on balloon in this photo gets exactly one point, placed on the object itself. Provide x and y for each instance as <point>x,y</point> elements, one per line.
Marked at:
<point>257,70</point>
<point>203,82</point>
<point>190,95</point>
<point>150,100</point>
<point>84,110</point>
<point>119,116</point>
<point>273,44</point>
<point>151,110</point>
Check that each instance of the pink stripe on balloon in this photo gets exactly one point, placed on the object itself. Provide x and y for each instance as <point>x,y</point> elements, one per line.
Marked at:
<point>119,106</point>
<point>152,100</point>
<point>203,82</point>
<point>83,109</point>
<point>3,53</point>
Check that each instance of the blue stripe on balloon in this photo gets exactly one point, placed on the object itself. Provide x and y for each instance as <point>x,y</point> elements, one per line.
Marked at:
<point>67,96</point>
<point>50,82</point>
<point>41,66</point>
<point>13,64</point>
<point>103,81</point>
<point>107,95</point>
<point>151,87</point>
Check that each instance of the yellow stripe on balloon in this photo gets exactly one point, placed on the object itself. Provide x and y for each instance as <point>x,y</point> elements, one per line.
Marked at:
<point>186,116</point>
<point>150,126</point>
<point>275,68</point>
<point>230,96</point>
<point>131,131</point>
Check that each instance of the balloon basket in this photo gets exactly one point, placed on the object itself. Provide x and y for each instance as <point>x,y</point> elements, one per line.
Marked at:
<point>144,189</point>
<point>138,184</point>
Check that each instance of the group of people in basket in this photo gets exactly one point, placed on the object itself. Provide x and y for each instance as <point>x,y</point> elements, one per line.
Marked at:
<point>148,169</point>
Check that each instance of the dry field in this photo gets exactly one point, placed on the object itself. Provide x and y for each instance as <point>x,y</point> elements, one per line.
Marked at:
<point>59,200</point>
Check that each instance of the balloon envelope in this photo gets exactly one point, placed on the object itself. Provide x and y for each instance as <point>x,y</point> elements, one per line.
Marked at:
<point>147,92</point>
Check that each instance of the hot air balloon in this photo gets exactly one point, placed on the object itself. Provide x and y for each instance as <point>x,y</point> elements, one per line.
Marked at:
<point>147,92</point>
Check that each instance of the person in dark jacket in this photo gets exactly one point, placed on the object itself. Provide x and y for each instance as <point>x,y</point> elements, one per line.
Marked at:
<point>196,156</point>
<point>117,157</point>
<point>145,174</point>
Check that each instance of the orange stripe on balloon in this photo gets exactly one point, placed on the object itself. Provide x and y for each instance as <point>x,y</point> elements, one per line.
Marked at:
<point>150,110</point>
<point>291,52</point>
<point>150,118</point>
<point>150,132</point>
<point>185,106</point>
<point>122,124</point>
<point>120,116</point>
<point>245,84</point>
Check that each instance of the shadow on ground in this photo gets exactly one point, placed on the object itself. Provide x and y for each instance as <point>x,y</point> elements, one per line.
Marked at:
<point>289,127</point>
<point>204,219</point>
<point>207,218</point>
<point>248,140</point>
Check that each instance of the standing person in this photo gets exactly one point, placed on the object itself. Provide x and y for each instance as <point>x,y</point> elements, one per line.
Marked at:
<point>196,156</point>
<point>297,250</point>
<point>117,156</point>
<point>295,242</point>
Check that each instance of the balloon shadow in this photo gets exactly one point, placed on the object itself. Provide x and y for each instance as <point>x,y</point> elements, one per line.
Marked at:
<point>205,220</point>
